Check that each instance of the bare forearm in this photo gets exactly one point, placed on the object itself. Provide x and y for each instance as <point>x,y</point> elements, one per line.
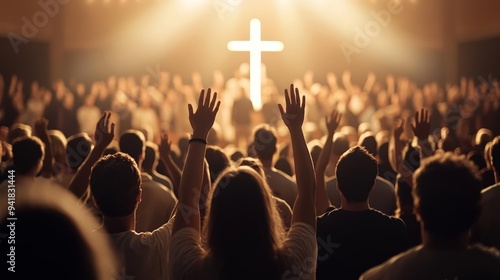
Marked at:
<point>80,181</point>
<point>174,173</point>
<point>322,202</point>
<point>304,209</point>
<point>190,187</point>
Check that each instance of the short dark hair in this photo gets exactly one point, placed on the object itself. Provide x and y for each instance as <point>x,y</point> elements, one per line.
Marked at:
<point>447,192</point>
<point>368,141</point>
<point>340,143</point>
<point>264,142</point>
<point>151,155</point>
<point>115,182</point>
<point>132,142</point>
<point>495,154</point>
<point>383,152</point>
<point>78,149</point>
<point>27,152</point>
<point>282,164</point>
<point>18,130</point>
<point>217,161</point>
<point>356,173</point>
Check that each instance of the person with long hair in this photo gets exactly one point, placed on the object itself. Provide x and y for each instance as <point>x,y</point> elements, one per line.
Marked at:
<point>243,236</point>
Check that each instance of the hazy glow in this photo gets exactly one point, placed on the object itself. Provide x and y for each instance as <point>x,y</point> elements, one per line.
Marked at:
<point>255,46</point>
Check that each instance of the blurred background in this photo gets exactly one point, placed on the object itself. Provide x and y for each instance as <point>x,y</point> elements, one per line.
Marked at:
<point>428,40</point>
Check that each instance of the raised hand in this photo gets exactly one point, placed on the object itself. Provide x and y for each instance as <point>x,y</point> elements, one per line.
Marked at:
<point>41,131</point>
<point>422,127</point>
<point>293,117</point>
<point>174,173</point>
<point>104,131</point>
<point>165,146</point>
<point>333,121</point>
<point>41,128</point>
<point>203,119</point>
<point>399,127</point>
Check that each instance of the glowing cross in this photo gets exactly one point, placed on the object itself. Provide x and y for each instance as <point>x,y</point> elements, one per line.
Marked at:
<point>255,46</point>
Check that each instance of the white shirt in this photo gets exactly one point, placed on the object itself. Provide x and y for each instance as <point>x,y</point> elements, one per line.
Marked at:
<point>144,255</point>
<point>188,258</point>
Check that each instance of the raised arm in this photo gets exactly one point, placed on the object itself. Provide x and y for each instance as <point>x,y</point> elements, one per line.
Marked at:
<point>398,163</point>
<point>104,134</point>
<point>188,212</point>
<point>396,157</point>
<point>304,209</point>
<point>322,202</point>
<point>41,131</point>
<point>422,129</point>
<point>173,170</point>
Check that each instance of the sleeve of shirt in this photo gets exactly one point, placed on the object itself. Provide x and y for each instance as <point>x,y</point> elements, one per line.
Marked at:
<point>163,234</point>
<point>300,252</point>
<point>186,254</point>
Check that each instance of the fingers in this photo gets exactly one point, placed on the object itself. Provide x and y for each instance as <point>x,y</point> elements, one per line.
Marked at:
<point>287,98</point>
<point>212,104</point>
<point>205,101</point>
<point>201,98</point>
<point>281,110</point>
<point>190,109</point>
<point>339,118</point>
<point>422,116</point>
<point>217,107</point>
<point>207,98</point>
<point>303,106</point>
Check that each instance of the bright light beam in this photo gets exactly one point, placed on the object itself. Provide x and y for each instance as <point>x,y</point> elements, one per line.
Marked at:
<point>255,46</point>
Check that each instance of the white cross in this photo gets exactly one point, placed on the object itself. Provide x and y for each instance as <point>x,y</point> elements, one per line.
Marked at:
<point>255,46</point>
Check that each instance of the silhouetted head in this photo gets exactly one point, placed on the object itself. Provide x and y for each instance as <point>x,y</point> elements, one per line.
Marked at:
<point>340,144</point>
<point>78,149</point>
<point>115,182</point>
<point>217,161</point>
<point>28,153</point>
<point>133,143</point>
<point>478,159</point>
<point>264,142</point>
<point>368,141</point>
<point>151,156</point>
<point>356,173</point>
<point>58,143</point>
<point>495,154</point>
<point>447,192</point>
<point>284,165</point>
<point>51,225</point>
<point>18,130</point>
<point>243,229</point>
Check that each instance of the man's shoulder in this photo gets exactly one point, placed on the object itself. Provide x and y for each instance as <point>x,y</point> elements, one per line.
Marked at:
<point>399,265</point>
<point>481,251</point>
<point>371,214</point>
<point>491,192</point>
<point>278,174</point>
<point>383,183</point>
<point>390,220</point>
<point>154,188</point>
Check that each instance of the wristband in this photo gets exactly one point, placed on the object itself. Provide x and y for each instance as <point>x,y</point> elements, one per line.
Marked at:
<point>199,140</point>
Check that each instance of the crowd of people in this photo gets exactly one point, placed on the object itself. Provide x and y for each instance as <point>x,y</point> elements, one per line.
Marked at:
<point>160,180</point>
